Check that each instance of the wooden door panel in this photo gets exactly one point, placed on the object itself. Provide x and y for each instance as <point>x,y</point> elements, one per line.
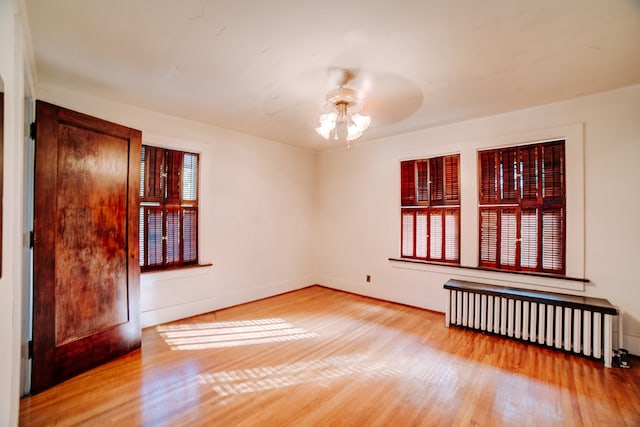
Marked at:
<point>91,267</point>
<point>86,272</point>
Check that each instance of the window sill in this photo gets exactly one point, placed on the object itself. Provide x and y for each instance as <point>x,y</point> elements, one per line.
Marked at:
<point>524,273</point>
<point>177,270</point>
<point>502,276</point>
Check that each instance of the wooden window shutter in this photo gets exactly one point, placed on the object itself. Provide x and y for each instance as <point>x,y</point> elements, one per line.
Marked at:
<point>553,173</point>
<point>142,169</point>
<point>408,182</point>
<point>430,231</point>
<point>488,177</point>
<point>553,250</point>
<point>452,235</point>
<point>529,174</point>
<point>451,179</point>
<point>508,221</point>
<point>523,228</point>
<point>174,174</point>
<point>189,234</point>
<point>422,182</point>
<point>529,254</point>
<point>508,175</point>
<point>436,234</point>
<point>154,174</point>
<point>489,237</point>
<point>169,208</point>
<point>141,237</point>
<point>436,175</point>
<point>422,233</point>
<point>154,237</point>
<point>408,232</point>
<point>190,177</point>
<point>172,236</point>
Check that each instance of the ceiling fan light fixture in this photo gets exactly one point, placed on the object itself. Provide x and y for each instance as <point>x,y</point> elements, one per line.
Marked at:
<point>358,125</point>
<point>341,112</point>
<point>327,124</point>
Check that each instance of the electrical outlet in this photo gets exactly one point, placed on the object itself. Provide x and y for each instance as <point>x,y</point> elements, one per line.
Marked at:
<point>368,278</point>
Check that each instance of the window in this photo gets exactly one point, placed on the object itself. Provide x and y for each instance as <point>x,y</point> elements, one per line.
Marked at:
<point>430,212</point>
<point>168,208</point>
<point>522,208</point>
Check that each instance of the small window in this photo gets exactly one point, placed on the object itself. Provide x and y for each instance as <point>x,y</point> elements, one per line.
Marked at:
<point>430,209</point>
<point>522,208</point>
<point>168,208</point>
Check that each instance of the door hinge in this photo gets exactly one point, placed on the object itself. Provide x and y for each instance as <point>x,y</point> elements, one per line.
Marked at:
<point>32,131</point>
<point>30,350</point>
<point>32,239</point>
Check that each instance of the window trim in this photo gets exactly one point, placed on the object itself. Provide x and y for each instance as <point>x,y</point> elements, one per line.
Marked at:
<point>573,135</point>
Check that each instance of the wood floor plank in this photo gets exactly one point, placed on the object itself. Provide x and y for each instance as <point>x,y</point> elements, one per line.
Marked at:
<point>323,357</point>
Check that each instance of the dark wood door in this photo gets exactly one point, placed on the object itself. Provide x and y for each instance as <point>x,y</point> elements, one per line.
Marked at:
<point>86,272</point>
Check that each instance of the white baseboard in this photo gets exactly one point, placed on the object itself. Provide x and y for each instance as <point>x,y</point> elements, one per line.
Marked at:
<point>632,343</point>
<point>180,311</point>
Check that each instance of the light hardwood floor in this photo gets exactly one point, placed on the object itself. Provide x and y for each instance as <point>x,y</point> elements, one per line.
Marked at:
<point>318,357</point>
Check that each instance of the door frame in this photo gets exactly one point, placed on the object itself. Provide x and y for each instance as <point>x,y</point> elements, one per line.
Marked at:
<point>27,248</point>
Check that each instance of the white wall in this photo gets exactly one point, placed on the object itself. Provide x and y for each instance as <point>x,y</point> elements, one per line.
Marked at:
<point>358,214</point>
<point>257,210</point>
<point>12,48</point>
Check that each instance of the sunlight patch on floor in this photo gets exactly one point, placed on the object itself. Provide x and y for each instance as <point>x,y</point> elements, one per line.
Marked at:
<point>202,336</point>
<point>253,380</point>
<point>513,407</point>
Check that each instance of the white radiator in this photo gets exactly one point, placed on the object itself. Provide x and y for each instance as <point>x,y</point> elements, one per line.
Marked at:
<point>566,322</point>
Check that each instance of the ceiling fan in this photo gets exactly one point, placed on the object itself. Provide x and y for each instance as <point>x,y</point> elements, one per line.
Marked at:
<point>341,119</point>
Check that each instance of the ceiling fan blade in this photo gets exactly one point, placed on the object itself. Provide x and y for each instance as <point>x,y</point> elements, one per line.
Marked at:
<point>338,76</point>
<point>388,97</point>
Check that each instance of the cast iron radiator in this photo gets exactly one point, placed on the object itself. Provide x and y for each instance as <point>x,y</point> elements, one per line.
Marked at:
<point>577,324</point>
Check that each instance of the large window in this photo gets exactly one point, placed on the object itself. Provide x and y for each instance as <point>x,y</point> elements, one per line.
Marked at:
<point>430,209</point>
<point>522,208</point>
<point>168,208</point>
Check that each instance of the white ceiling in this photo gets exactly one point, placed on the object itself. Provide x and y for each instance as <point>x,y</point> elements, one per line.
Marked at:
<point>261,67</point>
